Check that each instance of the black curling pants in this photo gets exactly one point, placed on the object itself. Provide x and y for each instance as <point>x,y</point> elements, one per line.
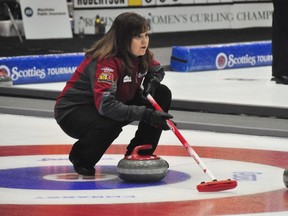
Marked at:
<point>96,133</point>
<point>147,134</point>
<point>280,38</point>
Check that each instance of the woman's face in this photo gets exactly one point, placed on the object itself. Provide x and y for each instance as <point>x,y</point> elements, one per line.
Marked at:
<point>139,44</point>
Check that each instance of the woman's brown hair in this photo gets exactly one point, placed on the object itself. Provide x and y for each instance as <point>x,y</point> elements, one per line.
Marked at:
<point>117,41</point>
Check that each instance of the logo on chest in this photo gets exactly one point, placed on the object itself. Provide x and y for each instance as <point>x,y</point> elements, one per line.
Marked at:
<point>106,75</point>
<point>127,79</point>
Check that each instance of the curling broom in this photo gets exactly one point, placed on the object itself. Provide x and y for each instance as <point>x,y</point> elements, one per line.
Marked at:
<point>211,186</point>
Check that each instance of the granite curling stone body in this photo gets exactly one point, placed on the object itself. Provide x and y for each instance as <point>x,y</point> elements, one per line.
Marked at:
<point>142,168</point>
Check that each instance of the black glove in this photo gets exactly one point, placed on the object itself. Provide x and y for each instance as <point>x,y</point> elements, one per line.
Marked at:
<point>150,85</point>
<point>156,118</point>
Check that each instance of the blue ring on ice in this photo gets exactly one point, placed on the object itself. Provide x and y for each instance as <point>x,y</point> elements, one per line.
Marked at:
<point>33,178</point>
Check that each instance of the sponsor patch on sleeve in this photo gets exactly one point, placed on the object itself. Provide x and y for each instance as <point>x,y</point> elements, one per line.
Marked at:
<point>106,75</point>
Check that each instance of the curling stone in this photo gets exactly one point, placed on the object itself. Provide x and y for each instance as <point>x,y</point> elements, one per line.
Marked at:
<point>142,168</point>
<point>285,177</point>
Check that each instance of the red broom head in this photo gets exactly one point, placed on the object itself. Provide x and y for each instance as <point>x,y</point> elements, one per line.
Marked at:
<point>217,185</point>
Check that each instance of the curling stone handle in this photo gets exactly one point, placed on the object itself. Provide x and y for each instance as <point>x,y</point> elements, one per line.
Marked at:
<point>138,148</point>
<point>135,156</point>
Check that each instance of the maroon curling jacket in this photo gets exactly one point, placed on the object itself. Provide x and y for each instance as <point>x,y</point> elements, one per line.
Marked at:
<point>105,84</point>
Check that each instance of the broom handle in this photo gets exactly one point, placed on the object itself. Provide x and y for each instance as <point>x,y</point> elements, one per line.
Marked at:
<point>183,140</point>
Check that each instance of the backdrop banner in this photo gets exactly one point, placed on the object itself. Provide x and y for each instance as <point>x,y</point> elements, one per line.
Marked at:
<point>41,68</point>
<point>221,56</point>
<point>181,17</point>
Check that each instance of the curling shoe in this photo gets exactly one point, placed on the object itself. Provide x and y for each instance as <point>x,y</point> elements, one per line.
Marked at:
<point>281,80</point>
<point>85,171</point>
